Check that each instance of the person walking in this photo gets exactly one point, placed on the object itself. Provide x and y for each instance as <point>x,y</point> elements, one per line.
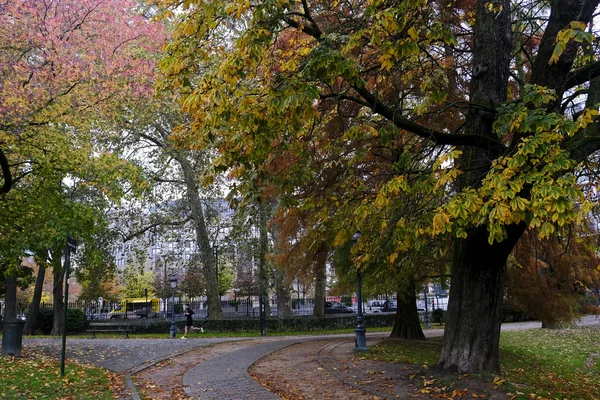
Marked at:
<point>189,322</point>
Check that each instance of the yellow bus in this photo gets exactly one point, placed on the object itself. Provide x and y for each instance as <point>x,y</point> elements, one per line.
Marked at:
<point>136,307</point>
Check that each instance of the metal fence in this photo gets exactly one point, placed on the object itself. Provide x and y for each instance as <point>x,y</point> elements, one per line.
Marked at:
<point>247,307</point>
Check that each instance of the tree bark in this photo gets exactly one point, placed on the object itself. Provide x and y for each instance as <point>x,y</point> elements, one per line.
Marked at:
<point>262,255</point>
<point>10,298</point>
<point>58,306</point>
<point>209,266</point>
<point>320,281</point>
<point>406,323</point>
<point>282,287</point>
<point>6,174</point>
<point>472,332</point>
<point>554,75</point>
<point>34,307</point>
<point>284,297</point>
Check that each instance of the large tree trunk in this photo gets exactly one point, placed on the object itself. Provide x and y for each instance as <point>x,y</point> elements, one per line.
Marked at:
<point>34,307</point>
<point>209,266</point>
<point>10,298</point>
<point>406,323</point>
<point>263,210</point>
<point>58,306</point>
<point>284,297</point>
<point>320,281</point>
<point>282,287</point>
<point>472,332</point>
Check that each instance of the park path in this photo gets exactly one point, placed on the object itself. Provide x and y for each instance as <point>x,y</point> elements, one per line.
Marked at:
<point>224,377</point>
<point>120,355</point>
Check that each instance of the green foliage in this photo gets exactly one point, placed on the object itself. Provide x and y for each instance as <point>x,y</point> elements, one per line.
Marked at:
<point>178,308</point>
<point>274,325</point>
<point>535,184</point>
<point>367,121</point>
<point>347,300</point>
<point>138,280</point>
<point>438,316</point>
<point>511,314</point>
<point>76,321</point>
<point>44,321</point>
<point>226,278</point>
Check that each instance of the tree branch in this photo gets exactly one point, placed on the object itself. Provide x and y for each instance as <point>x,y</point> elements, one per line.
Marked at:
<point>154,225</point>
<point>8,180</point>
<point>432,135</point>
<point>583,75</point>
<point>311,30</point>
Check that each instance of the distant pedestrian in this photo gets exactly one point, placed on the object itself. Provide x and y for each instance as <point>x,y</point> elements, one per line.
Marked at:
<point>189,322</point>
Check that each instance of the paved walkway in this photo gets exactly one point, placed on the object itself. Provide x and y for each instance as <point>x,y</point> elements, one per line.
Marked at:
<point>120,355</point>
<point>224,377</point>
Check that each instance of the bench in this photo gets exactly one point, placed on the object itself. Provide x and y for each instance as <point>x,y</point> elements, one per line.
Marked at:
<point>105,328</point>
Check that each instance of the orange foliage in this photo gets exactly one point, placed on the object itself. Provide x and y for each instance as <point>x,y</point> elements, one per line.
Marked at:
<point>547,278</point>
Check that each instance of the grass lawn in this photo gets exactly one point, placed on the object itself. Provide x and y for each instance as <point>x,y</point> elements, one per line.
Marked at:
<point>562,364</point>
<point>37,377</point>
<point>536,364</point>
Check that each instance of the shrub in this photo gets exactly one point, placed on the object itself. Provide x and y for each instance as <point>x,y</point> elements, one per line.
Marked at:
<point>178,308</point>
<point>346,300</point>
<point>438,316</point>
<point>76,321</point>
<point>511,314</point>
<point>44,321</point>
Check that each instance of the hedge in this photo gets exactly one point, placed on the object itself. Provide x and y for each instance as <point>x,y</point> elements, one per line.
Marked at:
<point>296,324</point>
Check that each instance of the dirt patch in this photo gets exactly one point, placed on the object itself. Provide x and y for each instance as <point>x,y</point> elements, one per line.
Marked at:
<point>332,370</point>
<point>295,373</point>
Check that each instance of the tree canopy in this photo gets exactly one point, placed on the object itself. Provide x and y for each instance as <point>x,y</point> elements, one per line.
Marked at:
<point>489,106</point>
<point>66,68</point>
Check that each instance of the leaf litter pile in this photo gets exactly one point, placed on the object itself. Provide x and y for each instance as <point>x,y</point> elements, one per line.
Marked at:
<point>37,376</point>
<point>328,370</point>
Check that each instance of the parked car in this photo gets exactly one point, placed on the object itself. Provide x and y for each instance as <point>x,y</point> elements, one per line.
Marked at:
<point>335,307</point>
<point>374,306</point>
<point>389,305</point>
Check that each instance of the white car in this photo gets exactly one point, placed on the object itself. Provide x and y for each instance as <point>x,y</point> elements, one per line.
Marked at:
<point>374,306</point>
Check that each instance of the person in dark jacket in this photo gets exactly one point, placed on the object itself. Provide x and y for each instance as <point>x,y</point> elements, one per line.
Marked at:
<point>189,322</point>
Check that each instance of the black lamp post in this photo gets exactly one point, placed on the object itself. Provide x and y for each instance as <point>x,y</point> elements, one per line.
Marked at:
<point>360,343</point>
<point>173,281</point>
<point>71,246</point>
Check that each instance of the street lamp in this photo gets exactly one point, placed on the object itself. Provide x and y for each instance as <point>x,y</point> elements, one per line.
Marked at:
<point>71,246</point>
<point>173,281</point>
<point>360,343</point>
